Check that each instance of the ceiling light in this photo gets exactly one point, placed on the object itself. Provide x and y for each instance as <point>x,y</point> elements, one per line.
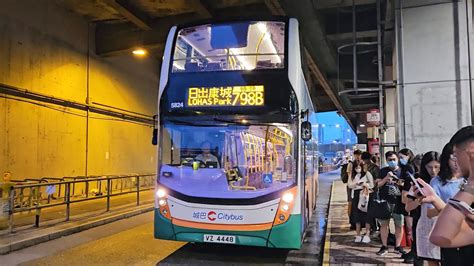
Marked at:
<point>139,52</point>
<point>362,125</point>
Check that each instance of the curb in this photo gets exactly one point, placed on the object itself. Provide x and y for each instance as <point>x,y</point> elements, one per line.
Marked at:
<point>20,244</point>
<point>327,240</point>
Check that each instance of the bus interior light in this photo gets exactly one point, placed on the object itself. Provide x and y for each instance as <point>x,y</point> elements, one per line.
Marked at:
<point>288,197</point>
<point>161,193</point>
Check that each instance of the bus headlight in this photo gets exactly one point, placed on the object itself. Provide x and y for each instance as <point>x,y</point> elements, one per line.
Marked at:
<point>286,206</point>
<point>160,193</point>
<point>288,197</point>
<point>162,202</point>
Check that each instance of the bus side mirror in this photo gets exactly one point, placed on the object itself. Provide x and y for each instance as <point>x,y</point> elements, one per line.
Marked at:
<point>154,140</point>
<point>306,130</point>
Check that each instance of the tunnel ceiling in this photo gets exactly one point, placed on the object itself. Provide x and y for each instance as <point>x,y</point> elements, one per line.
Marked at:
<point>325,25</point>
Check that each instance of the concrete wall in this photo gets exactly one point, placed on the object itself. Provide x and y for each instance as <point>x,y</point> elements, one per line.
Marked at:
<point>435,95</point>
<point>43,48</point>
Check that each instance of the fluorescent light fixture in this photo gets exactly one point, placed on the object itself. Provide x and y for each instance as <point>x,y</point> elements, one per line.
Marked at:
<point>139,52</point>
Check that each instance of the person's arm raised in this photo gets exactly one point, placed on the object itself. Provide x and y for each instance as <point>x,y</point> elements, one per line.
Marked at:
<point>453,229</point>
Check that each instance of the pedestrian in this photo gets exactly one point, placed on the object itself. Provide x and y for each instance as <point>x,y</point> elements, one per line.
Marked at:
<point>361,185</point>
<point>417,162</point>
<point>455,224</point>
<point>406,163</point>
<point>389,183</point>
<point>369,165</point>
<point>374,170</point>
<point>446,185</point>
<point>425,250</point>
<point>347,174</point>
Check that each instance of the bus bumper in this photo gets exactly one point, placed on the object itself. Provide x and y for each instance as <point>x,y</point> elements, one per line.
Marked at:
<point>287,235</point>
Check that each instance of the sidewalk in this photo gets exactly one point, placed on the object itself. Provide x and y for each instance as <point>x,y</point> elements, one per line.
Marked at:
<point>340,248</point>
<point>85,215</point>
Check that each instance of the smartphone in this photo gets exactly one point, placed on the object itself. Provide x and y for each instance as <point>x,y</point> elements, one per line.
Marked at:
<point>461,206</point>
<point>416,183</point>
<point>393,176</point>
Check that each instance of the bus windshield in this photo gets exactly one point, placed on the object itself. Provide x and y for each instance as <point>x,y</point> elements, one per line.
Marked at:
<point>231,161</point>
<point>230,46</point>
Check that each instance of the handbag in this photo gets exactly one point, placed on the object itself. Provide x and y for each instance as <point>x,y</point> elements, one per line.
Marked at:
<point>363,203</point>
<point>380,208</point>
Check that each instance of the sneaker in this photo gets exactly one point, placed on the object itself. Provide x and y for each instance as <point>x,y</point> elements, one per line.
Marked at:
<point>383,250</point>
<point>407,255</point>
<point>409,260</point>
<point>358,239</point>
<point>366,239</point>
<point>400,251</point>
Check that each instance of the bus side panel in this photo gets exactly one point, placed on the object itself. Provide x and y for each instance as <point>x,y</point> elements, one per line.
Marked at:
<point>163,227</point>
<point>287,235</point>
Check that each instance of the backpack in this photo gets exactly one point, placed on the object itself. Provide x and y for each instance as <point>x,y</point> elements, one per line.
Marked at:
<point>344,175</point>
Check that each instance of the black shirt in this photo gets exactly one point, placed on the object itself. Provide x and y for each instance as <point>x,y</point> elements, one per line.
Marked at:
<point>391,192</point>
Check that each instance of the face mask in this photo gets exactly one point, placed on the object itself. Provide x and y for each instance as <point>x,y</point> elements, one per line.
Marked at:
<point>358,170</point>
<point>392,164</point>
<point>403,161</point>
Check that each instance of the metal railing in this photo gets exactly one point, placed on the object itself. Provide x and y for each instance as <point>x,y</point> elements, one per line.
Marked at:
<point>37,194</point>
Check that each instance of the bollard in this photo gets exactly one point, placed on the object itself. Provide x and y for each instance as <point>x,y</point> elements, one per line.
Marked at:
<point>5,202</point>
<point>37,216</point>
<point>108,193</point>
<point>68,200</point>
<point>138,190</point>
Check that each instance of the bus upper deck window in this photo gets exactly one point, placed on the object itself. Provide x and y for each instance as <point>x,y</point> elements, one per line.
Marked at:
<point>228,36</point>
<point>234,46</point>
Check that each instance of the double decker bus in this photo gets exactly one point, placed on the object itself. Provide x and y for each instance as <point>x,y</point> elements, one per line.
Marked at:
<point>237,157</point>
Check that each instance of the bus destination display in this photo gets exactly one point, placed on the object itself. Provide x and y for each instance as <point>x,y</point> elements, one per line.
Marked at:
<point>226,96</point>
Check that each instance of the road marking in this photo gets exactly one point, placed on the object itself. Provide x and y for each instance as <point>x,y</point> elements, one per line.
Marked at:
<point>135,246</point>
<point>327,241</point>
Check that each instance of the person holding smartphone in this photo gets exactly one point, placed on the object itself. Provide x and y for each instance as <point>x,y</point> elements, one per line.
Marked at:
<point>446,185</point>
<point>362,182</point>
<point>426,251</point>
<point>455,225</point>
<point>389,182</point>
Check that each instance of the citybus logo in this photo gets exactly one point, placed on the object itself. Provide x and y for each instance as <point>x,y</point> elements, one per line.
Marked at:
<point>219,216</point>
<point>211,216</point>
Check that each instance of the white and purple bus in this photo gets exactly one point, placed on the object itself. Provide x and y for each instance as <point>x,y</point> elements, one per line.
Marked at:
<point>237,154</point>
